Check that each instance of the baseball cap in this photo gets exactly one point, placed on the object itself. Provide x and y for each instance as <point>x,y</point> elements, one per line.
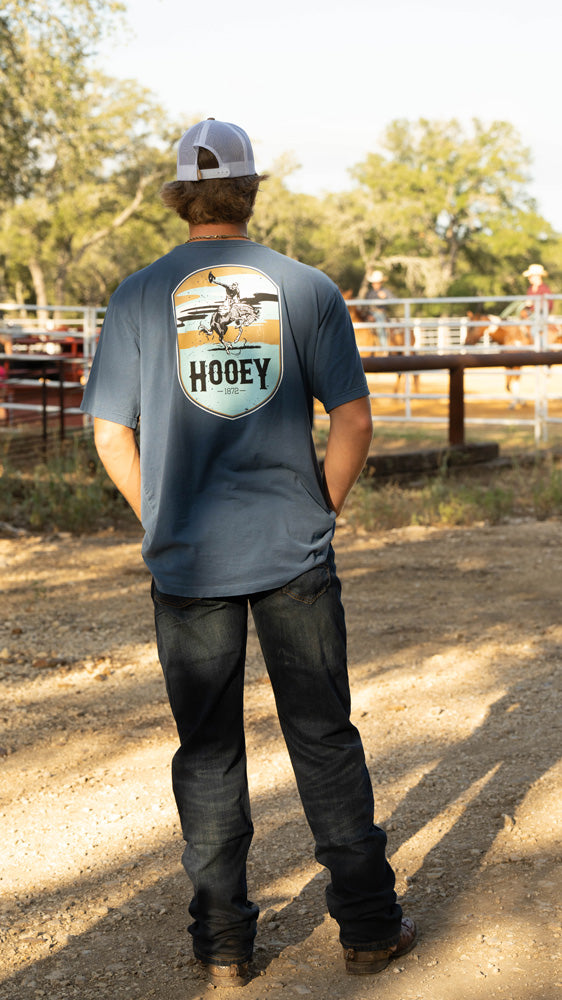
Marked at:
<point>228,143</point>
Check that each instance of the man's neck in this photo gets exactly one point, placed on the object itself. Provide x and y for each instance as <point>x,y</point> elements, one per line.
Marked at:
<point>210,230</point>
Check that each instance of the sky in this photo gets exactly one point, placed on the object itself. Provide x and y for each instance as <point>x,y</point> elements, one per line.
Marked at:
<point>322,81</point>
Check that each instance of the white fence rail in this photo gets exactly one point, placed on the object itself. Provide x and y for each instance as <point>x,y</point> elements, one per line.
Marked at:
<point>407,330</point>
<point>45,354</point>
<point>40,331</point>
<point>448,332</point>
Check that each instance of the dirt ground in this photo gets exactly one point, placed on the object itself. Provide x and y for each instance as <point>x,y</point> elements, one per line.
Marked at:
<point>455,641</point>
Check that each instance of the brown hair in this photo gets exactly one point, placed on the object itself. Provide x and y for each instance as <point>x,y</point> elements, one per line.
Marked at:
<point>214,200</point>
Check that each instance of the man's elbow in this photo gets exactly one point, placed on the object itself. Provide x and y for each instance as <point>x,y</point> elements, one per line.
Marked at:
<point>104,435</point>
<point>353,421</point>
<point>110,438</point>
<point>365,428</point>
<point>363,425</point>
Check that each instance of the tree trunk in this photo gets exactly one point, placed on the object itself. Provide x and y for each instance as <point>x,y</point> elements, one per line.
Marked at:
<point>19,295</point>
<point>38,279</point>
<point>60,285</point>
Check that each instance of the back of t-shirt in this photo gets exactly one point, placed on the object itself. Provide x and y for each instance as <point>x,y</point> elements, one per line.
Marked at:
<point>219,348</point>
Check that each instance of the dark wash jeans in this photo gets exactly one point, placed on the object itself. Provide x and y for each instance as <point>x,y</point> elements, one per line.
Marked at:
<point>202,646</point>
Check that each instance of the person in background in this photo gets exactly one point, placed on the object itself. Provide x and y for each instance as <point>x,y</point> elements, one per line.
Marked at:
<point>238,516</point>
<point>536,274</point>
<point>378,313</point>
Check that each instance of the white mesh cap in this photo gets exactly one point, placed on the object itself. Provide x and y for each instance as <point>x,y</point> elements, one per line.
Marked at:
<point>229,143</point>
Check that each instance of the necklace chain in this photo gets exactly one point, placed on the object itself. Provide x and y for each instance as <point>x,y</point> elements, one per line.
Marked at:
<point>218,236</point>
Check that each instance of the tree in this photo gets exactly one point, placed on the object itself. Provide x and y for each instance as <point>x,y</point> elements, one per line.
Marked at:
<point>44,50</point>
<point>304,227</point>
<point>112,151</point>
<point>284,220</point>
<point>46,125</point>
<point>80,150</point>
<point>434,194</point>
<point>15,131</point>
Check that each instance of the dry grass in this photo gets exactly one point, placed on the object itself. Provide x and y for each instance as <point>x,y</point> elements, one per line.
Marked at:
<point>528,487</point>
<point>71,492</point>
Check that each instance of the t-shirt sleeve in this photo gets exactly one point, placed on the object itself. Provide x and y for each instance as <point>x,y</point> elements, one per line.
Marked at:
<point>338,372</point>
<point>113,388</point>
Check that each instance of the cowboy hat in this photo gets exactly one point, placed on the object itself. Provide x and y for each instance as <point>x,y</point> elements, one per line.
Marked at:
<point>376,276</point>
<point>535,269</point>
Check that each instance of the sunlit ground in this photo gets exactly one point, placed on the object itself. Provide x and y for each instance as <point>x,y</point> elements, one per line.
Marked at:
<point>454,643</point>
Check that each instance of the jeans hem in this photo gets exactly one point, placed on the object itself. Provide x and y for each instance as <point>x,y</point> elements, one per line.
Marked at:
<point>220,960</point>
<point>371,945</point>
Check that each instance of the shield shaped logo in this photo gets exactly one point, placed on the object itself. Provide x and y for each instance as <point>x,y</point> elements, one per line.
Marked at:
<point>230,355</point>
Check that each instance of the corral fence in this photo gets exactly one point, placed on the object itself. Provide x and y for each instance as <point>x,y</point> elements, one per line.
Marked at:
<point>442,344</point>
<point>45,355</point>
<point>46,352</point>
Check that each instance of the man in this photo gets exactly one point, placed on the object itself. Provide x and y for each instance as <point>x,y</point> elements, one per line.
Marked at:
<point>378,293</point>
<point>237,514</point>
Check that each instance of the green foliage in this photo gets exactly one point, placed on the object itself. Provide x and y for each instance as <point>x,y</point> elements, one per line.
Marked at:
<point>285,221</point>
<point>448,212</point>
<point>84,151</point>
<point>44,48</point>
<point>16,159</point>
<point>102,166</point>
<point>442,209</point>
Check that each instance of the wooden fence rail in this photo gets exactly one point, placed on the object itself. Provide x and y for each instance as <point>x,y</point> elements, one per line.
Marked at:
<point>456,364</point>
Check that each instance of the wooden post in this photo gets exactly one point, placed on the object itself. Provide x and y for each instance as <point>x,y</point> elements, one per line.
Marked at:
<point>456,405</point>
<point>44,401</point>
<point>61,400</point>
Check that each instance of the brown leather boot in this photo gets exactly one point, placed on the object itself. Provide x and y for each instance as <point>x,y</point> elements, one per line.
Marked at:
<point>232,974</point>
<point>366,963</point>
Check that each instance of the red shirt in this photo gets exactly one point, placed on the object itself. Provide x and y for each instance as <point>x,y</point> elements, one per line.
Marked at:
<point>542,289</point>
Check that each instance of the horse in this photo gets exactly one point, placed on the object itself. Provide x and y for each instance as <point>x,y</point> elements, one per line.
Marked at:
<point>234,311</point>
<point>508,335</point>
<point>395,334</point>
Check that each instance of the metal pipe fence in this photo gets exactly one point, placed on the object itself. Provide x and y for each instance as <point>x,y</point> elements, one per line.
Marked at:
<point>45,355</point>
<point>48,349</point>
<point>408,331</point>
<point>41,397</point>
<point>42,329</point>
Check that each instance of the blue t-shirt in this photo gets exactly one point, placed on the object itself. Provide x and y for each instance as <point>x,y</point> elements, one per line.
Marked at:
<point>219,348</point>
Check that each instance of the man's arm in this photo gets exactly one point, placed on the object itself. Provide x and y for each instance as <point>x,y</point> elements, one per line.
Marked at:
<point>117,448</point>
<point>351,431</point>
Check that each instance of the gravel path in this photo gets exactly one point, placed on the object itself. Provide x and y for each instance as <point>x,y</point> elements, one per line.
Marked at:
<point>455,641</point>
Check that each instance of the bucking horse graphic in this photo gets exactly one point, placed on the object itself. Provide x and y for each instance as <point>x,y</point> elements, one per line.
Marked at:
<point>234,311</point>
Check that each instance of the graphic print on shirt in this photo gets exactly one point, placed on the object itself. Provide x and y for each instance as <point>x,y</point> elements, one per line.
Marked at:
<point>230,357</point>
